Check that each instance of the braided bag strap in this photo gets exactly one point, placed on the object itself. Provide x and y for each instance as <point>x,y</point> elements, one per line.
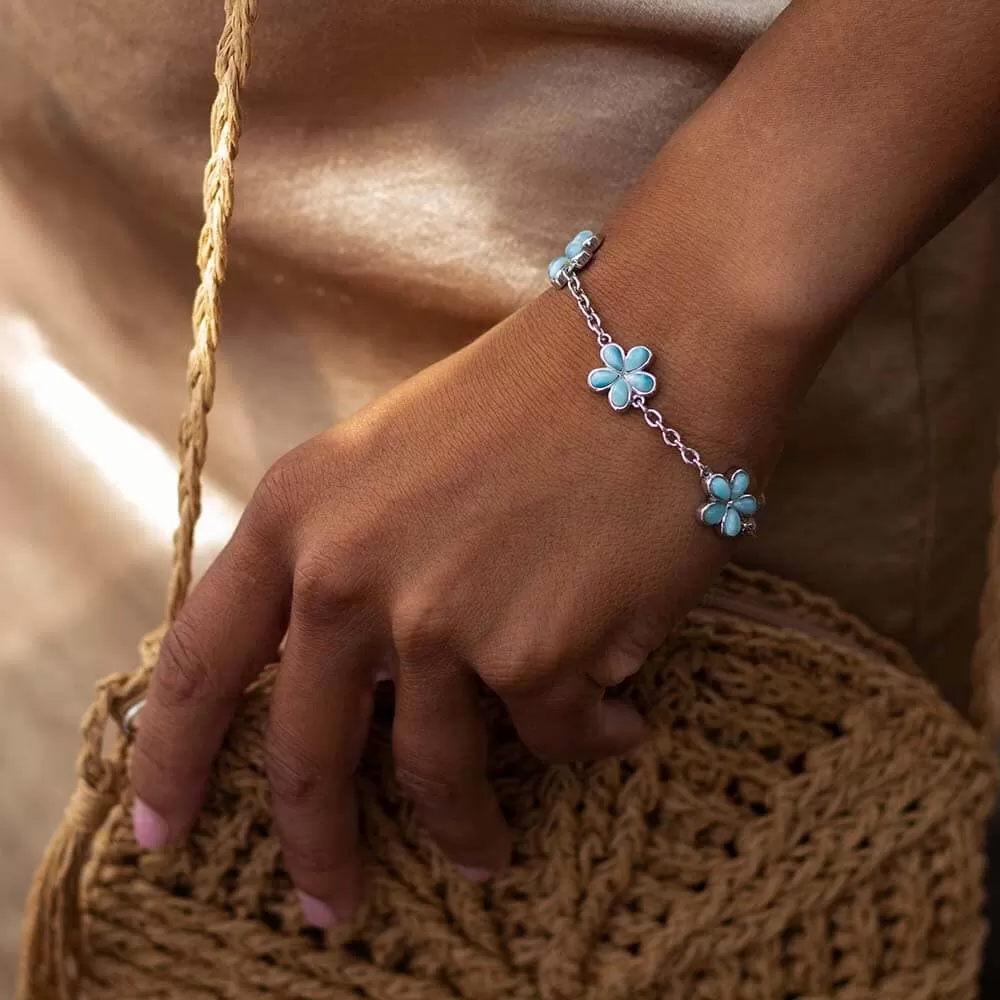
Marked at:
<point>232,62</point>
<point>51,953</point>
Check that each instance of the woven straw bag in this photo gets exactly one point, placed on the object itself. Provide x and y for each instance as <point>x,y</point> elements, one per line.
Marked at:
<point>806,822</point>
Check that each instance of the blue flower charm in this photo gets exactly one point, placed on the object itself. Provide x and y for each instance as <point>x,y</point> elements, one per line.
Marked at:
<point>731,507</point>
<point>623,378</point>
<point>578,254</point>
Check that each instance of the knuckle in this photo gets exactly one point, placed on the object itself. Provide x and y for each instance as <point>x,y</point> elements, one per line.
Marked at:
<point>518,664</point>
<point>510,683</point>
<point>617,666</point>
<point>420,626</point>
<point>289,485</point>
<point>280,492</point>
<point>325,584</point>
<point>292,778</point>
<point>430,792</point>
<point>183,673</point>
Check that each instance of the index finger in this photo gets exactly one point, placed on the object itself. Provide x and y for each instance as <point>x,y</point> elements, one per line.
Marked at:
<point>227,632</point>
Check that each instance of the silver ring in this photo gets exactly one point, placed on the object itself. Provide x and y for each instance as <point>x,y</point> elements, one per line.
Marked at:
<point>130,716</point>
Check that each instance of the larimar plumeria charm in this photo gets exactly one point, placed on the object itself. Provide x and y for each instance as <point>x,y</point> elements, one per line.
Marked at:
<point>731,506</point>
<point>623,378</point>
<point>578,254</point>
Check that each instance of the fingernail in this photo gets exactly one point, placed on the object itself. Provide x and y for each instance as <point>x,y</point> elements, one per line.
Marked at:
<point>316,912</point>
<point>151,830</point>
<point>382,674</point>
<point>475,874</point>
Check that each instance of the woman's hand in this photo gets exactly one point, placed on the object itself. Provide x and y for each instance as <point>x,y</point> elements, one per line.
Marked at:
<point>491,521</point>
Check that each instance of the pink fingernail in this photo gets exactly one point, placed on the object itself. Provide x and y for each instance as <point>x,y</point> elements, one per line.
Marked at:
<point>475,874</point>
<point>151,830</point>
<point>316,912</point>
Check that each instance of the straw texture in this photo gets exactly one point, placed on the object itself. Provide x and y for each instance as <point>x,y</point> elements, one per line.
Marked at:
<point>807,822</point>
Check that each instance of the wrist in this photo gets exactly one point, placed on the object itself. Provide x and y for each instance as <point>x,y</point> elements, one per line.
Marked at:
<point>662,430</point>
<point>727,378</point>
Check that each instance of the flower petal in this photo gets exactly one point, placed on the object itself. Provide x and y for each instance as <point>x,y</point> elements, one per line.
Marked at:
<point>556,268</point>
<point>739,482</point>
<point>620,394</point>
<point>637,357</point>
<point>613,356</point>
<point>718,487</point>
<point>601,378</point>
<point>642,382</point>
<point>575,245</point>
<point>712,513</point>
<point>746,504</point>
<point>732,524</point>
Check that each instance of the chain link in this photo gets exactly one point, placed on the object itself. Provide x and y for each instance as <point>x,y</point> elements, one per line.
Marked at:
<point>671,437</point>
<point>589,313</point>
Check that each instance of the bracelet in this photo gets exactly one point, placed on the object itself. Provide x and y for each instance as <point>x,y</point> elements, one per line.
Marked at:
<point>730,506</point>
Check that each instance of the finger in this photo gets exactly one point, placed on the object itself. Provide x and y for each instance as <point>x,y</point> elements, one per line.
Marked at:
<point>440,746</point>
<point>227,632</point>
<point>575,721</point>
<point>614,668</point>
<point>320,713</point>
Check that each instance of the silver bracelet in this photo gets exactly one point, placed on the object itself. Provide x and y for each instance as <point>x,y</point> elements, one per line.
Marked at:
<point>730,507</point>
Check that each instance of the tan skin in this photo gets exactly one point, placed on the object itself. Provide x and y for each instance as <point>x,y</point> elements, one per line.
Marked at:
<point>492,522</point>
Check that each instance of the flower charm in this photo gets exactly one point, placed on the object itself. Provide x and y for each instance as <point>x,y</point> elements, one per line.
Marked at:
<point>578,254</point>
<point>623,378</point>
<point>730,506</point>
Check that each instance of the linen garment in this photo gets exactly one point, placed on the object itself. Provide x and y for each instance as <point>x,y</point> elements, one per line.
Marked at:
<point>408,168</point>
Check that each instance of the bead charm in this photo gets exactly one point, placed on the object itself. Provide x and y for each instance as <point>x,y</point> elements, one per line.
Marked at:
<point>730,506</point>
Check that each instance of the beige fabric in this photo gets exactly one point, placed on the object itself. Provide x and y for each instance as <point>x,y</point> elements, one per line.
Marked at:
<point>411,167</point>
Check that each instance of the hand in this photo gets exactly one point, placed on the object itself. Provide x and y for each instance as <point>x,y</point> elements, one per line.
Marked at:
<point>492,522</point>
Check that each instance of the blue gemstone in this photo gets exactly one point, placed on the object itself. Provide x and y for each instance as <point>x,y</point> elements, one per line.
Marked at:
<point>718,486</point>
<point>713,513</point>
<point>620,394</point>
<point>746,504</point>
<point>740,482</point>
<point>613,356</point>
<point>556,268</point>
<point>642,382</point>
<point>601,378</point>
<point>575,245</point>
<point>637,357</point>
<point>732,524</point>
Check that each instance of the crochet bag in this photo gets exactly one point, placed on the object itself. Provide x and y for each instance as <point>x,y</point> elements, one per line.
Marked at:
<point>806,822</point>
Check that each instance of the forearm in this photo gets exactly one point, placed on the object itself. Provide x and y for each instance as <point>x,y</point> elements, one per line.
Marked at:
<point>846,136</point>
<point>865,127</point>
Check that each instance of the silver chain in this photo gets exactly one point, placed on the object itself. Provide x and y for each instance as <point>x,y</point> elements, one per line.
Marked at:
<point>589,314</point>
<point>671,437</point>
